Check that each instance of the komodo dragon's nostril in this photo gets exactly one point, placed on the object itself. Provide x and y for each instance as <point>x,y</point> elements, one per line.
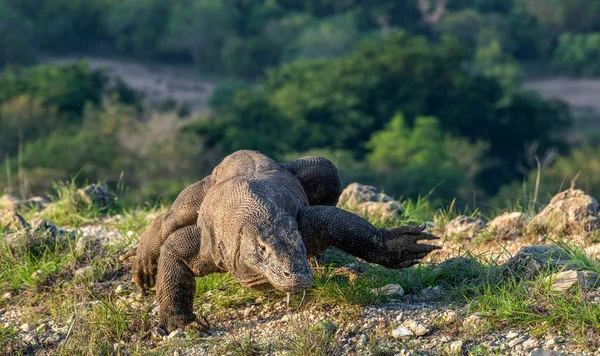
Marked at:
<point>286,274</point>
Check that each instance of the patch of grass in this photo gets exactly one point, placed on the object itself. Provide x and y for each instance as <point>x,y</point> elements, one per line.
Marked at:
<point>243,345</point>
<point>34,266</point>
<point>70,208</point>
<point>533,304</point>
<point>11,345</point>
<point>311,339</point>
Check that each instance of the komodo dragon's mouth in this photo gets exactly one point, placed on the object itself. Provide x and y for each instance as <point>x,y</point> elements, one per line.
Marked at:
<point>264,284</point>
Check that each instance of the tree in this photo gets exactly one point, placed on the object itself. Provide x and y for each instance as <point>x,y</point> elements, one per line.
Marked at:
<point>199,28</point>
<point>138,26</point>
<point>418,159</point>
<point>339,103</point>
<point>16,37</point>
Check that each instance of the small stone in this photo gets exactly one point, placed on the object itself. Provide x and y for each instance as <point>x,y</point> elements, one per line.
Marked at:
<point>401,333</point>
<point>286,317</point>
<point>7,295</point>
<point>456,346</point>
<point>395,290</point>
<point>362,340</point>
<point>530,344</point>
<point>119,289</point>
<point>450,317</point>
<point>464,226</point>
<point>416,328</point>
<point>475,322</point>
<point>26,328</point>
<point>511,335</point>
<point>551,342</point>
<point>514,342</point>
<point>175,334</point>
<point>564,280</point>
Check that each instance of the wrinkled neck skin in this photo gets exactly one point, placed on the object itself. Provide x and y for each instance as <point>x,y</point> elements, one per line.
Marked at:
<point>249,228</point>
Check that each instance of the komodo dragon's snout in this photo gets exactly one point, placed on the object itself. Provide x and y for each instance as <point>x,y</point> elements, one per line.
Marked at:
<point>277,252</point>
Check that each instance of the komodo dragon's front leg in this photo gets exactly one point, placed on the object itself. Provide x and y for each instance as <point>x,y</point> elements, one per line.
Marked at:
<point>324,226</point>
<point>183,212</point>
<point>180,261</point>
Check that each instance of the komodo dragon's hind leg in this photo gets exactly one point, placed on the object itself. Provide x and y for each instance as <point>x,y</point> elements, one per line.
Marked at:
<point>319,178</point>
<point>178,265</point>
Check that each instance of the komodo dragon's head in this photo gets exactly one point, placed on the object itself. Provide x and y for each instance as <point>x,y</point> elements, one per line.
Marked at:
<point>273,247</point>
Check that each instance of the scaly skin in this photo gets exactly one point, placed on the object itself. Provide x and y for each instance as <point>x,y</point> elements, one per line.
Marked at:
<point>260,221</point>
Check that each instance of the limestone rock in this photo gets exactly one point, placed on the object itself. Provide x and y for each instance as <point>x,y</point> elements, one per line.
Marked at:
<point>10,202</point>
<point>571,212</point>
<point>11,220</point>
<point>475,322</point>
<point>392,290</point>
<point>416,328</point>
<point>402,333</point>
<point>456,346</point>
<point>593,251</point>
<point>464,227</point>
<point>529,261</point>
<point>509,225</point>
<point>366,201</point>
<point>564,280</point>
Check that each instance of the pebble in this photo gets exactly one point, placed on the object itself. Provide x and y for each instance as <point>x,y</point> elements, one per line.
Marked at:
<point>511,335</point>
<point>401,333</point>
<point>392,290</point>
<point>530,344</point>
<point>416,328</point>
<point>514,342</point>
<point>26,328</point>
<point>456,346</point>
<point>175,334</point>
<point>7,295</point>
<point>551,342</point>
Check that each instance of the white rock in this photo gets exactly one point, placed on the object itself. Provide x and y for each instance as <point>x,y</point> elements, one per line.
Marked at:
<point>7,295</point>
<point>475,321</point>
<point>416,328</point>
<point>26,328</point>
<point>551,342</point>
<point>564,280</point>
<point>402,333</point>
<point>530,344</point>
<point>514,342</point>
<point>389,290</point>
<point>511,335</point>
<point>456,346</point>
<point>450,317</point>
<point>175,334</point>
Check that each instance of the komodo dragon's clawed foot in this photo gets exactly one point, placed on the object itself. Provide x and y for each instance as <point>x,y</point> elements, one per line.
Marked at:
<point>193,325</point>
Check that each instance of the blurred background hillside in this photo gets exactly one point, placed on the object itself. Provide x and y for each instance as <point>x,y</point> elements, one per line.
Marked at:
<point>465,99</point>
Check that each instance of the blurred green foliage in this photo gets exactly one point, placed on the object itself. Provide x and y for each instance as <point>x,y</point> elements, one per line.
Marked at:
<point>578,54</point>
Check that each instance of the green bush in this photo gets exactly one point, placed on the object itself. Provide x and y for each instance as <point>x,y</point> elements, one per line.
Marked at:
<point>138,26</point>
<point>578,54</point>
<point>16,37</point>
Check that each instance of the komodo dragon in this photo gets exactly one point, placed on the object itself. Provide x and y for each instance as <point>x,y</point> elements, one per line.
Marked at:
<point>259,220</point>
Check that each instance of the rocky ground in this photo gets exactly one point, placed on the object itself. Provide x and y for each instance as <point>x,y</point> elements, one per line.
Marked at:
<point>65,287</point>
